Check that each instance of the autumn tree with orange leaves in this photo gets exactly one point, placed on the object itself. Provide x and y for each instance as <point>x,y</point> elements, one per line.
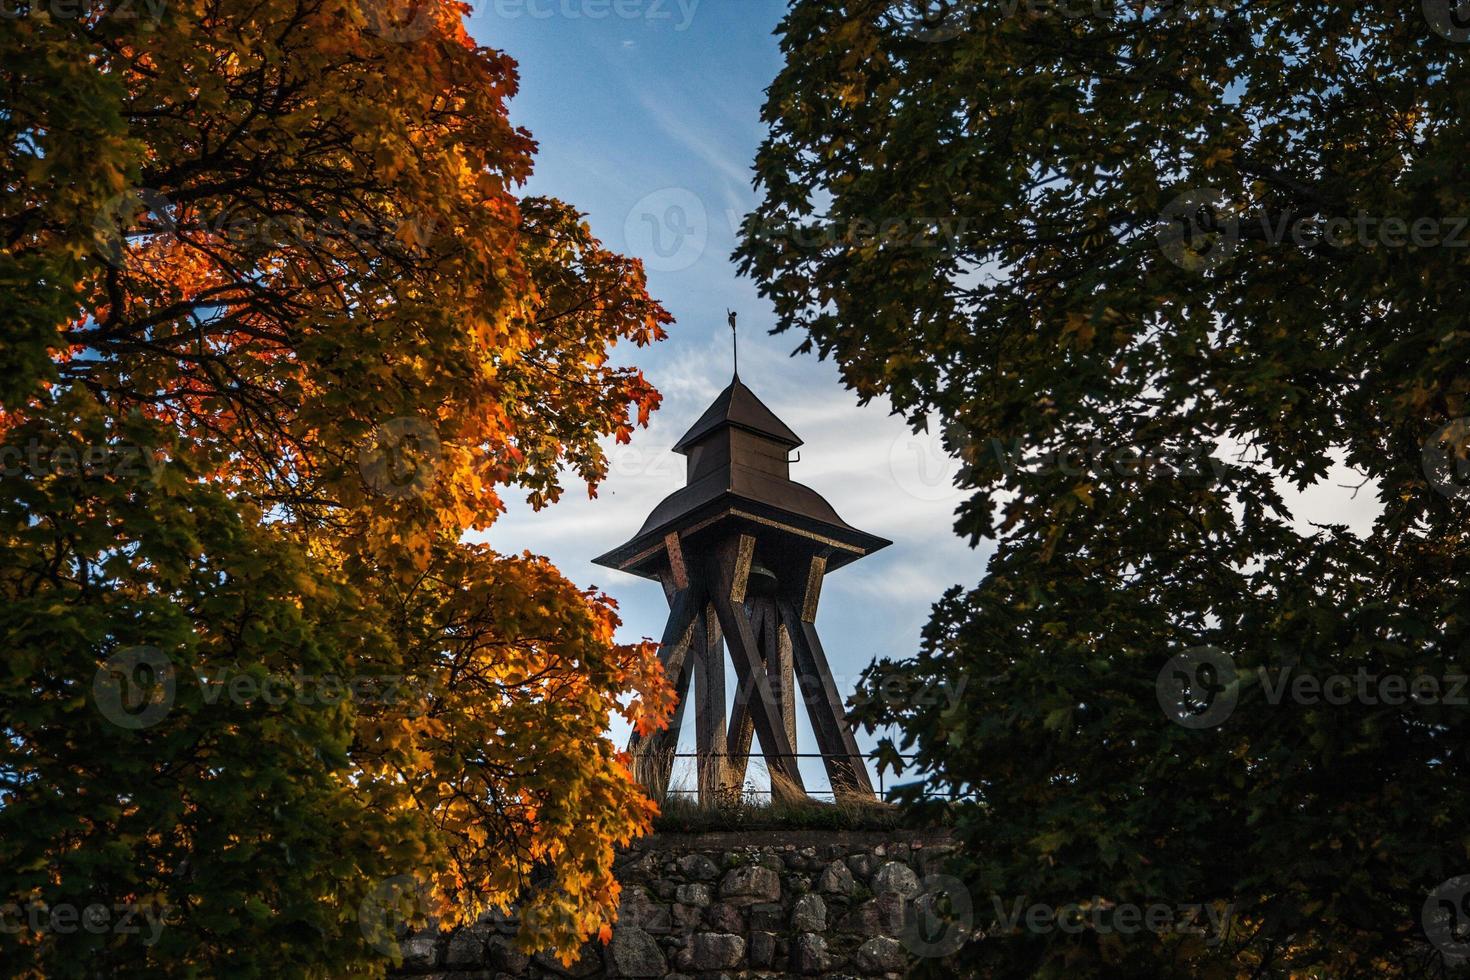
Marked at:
<point>278,331</point>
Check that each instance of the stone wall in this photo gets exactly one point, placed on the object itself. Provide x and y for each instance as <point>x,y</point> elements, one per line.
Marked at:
<point>757,904</point>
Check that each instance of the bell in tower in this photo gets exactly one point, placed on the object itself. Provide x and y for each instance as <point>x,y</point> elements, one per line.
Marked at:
<point>741,552</point>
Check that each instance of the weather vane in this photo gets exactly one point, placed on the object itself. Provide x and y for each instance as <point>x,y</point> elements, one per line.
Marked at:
<point>734,341</point>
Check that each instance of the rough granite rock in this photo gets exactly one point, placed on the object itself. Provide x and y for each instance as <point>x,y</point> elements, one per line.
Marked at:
<point>715,951</point>
<point>897,879</point>
<point>880,954</point>
<point>836,879</point>
<point>767,917</point>
<point>420,951</point>
<point>638,909</point>
<point>697,894</point>
<point>724,917</point>
<point>698,867</point>
<point>634,953</point>
<point>809,914</point>
<point>892,909</point>
<point>862,865</point>
<point>505,957</point>
<point>466,949</point>
<point>587,963</point>
<point>750,884</point>
<point>762,950</point>
<point>863,920</point>
<point>809,954</point>
<point>687,917</point>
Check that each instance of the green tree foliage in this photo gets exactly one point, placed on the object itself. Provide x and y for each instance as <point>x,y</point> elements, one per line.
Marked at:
<point>278,330</point>
<point>1189,231</point>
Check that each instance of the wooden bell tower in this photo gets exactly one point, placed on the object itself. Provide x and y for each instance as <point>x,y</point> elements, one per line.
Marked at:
<point>741,552</point>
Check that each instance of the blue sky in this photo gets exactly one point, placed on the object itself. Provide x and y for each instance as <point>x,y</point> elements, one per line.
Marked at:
<point>648,117</point>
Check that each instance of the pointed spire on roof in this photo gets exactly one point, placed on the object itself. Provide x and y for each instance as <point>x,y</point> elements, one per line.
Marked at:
<point>734,345</point>
<point>738,407</point>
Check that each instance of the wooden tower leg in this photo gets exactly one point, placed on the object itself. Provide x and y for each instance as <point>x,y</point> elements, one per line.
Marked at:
<point>741,735</point>
<point>845,767</point>
<point>709,706</point>
<point>653,757</point>
<point>731,571</point>
<point>780,667</point>
<point>775,653</point>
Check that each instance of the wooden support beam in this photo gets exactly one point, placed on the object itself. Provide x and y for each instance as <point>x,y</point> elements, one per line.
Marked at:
<point>709,706</point>
<point>731,571</point>
<point>775,654</point>
<point>780,667</point>
<point>845,766</point>
<point>653,757</point>
<point>675,574</point>
<point>742,728</point>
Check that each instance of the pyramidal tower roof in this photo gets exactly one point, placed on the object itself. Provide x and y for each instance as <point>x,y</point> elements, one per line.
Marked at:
<point>738,406</point>
<point>739,470</point>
